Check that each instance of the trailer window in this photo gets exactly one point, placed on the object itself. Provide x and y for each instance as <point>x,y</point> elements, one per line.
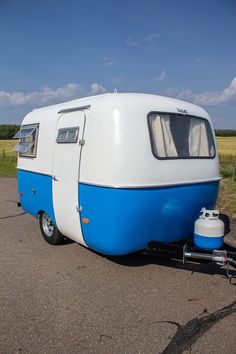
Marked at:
<point>28,136</point>
<point>67,135</point>
<point>176,136</point>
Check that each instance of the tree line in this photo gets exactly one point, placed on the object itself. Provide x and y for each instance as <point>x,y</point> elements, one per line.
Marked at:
<point>7,131</point>
<point>225,132</point>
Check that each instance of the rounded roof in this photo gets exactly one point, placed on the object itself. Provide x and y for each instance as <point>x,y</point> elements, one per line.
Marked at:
<point>144,100</point>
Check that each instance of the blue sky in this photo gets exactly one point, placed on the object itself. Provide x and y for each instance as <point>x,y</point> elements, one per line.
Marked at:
<point>56,50</point>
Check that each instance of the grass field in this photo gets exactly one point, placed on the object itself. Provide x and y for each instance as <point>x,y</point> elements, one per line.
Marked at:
<point>7,158</point>
<point>7,145</point>
<point>226,146</point>
<point>227,154</point>
<point>227,197</point>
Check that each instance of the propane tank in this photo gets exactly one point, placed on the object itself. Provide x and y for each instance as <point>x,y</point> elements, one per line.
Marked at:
<point>209,230</point>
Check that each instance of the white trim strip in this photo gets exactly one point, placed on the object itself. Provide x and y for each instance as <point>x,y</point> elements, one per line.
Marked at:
<point>73,109</point>
<point>151,186</point>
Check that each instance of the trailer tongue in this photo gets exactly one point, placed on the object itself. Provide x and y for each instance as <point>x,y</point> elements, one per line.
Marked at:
<point>186,251</point>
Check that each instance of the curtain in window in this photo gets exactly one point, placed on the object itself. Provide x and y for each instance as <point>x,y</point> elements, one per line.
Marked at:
<point>165,146</point>
<point>198,140</point>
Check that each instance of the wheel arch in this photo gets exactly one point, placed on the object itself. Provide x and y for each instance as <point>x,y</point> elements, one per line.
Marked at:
<point>39,213</point>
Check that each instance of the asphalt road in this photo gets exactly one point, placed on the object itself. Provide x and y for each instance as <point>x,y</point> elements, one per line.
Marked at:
<point>67,299</point>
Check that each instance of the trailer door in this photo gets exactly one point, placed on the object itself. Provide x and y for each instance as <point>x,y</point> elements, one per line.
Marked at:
<point>66,170</point>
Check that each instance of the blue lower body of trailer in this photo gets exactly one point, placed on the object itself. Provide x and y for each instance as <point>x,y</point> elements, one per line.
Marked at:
<point>125,220</point>
<point>35,192</point>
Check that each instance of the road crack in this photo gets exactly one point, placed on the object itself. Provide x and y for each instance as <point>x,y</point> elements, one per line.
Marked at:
<point>11,216</point>
<point>187,335</point>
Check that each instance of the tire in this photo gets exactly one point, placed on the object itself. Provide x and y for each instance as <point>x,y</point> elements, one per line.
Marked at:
<point>50,232</point>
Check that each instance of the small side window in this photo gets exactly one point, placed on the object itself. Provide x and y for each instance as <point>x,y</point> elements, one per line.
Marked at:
<point>28,136</point>
<point>67,135</point>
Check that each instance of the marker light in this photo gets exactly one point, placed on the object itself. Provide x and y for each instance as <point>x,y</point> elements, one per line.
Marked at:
<point>85,220</point>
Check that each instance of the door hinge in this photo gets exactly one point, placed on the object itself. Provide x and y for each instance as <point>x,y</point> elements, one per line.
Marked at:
<point>82,142</point>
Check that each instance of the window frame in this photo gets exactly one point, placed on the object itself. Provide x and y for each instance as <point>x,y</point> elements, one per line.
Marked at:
<point>68,129</point>
<point>36,130</point>
<point>152,140</point>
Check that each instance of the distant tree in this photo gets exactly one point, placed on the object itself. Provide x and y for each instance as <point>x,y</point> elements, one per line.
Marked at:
<point>7,131</point>
<point>225,132</point>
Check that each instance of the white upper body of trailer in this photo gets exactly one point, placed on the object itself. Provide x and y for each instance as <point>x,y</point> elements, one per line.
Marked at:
<point>117,150</point>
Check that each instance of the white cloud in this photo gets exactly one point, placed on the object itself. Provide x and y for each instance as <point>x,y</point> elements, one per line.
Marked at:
<point>132,43</point>
<point>97,89</point>
<point>108,62</point>
<point>151,37</point>
<point>170,91</point>
<point>161,76</point>
<point>46,95</point>
<point>152,41</point>
<point>116,81</point>
<point>185,94</point>
<point>209,98</point>
<point>149,42</point>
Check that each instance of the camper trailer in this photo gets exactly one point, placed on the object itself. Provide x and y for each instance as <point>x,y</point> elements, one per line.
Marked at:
<point>116,171</point>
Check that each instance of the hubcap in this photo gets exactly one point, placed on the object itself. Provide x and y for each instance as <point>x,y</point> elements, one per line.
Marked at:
<point>48,225</point>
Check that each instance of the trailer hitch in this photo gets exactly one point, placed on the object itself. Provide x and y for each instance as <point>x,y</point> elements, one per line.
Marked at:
<point>220,257</point>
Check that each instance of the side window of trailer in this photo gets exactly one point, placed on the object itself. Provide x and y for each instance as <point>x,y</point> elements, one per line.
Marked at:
<point>28,138</point>
<point>67,135</point>
<point>174,136</point>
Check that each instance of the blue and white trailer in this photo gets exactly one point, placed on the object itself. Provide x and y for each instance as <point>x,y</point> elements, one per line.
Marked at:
<point>116,171</point>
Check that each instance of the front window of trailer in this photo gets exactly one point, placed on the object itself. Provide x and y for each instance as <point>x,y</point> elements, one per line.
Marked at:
<point>175,136</point>
<point>27,144</point>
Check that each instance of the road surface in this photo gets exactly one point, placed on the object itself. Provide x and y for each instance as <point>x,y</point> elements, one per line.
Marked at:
<point>68,299</point>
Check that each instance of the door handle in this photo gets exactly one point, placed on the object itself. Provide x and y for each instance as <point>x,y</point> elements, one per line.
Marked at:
<point>54,178</point>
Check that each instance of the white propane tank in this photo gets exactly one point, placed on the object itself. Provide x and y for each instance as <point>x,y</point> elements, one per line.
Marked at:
<point>209,230</point>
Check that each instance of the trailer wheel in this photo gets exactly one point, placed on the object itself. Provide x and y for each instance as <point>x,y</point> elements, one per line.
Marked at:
<point>49,230</point>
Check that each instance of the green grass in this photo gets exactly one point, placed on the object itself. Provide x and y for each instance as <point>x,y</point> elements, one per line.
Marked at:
<point>8,166</point>
<point>227,197</point>
<point>7,146</point>
<point>228,170</point>
<point>8,158</point>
